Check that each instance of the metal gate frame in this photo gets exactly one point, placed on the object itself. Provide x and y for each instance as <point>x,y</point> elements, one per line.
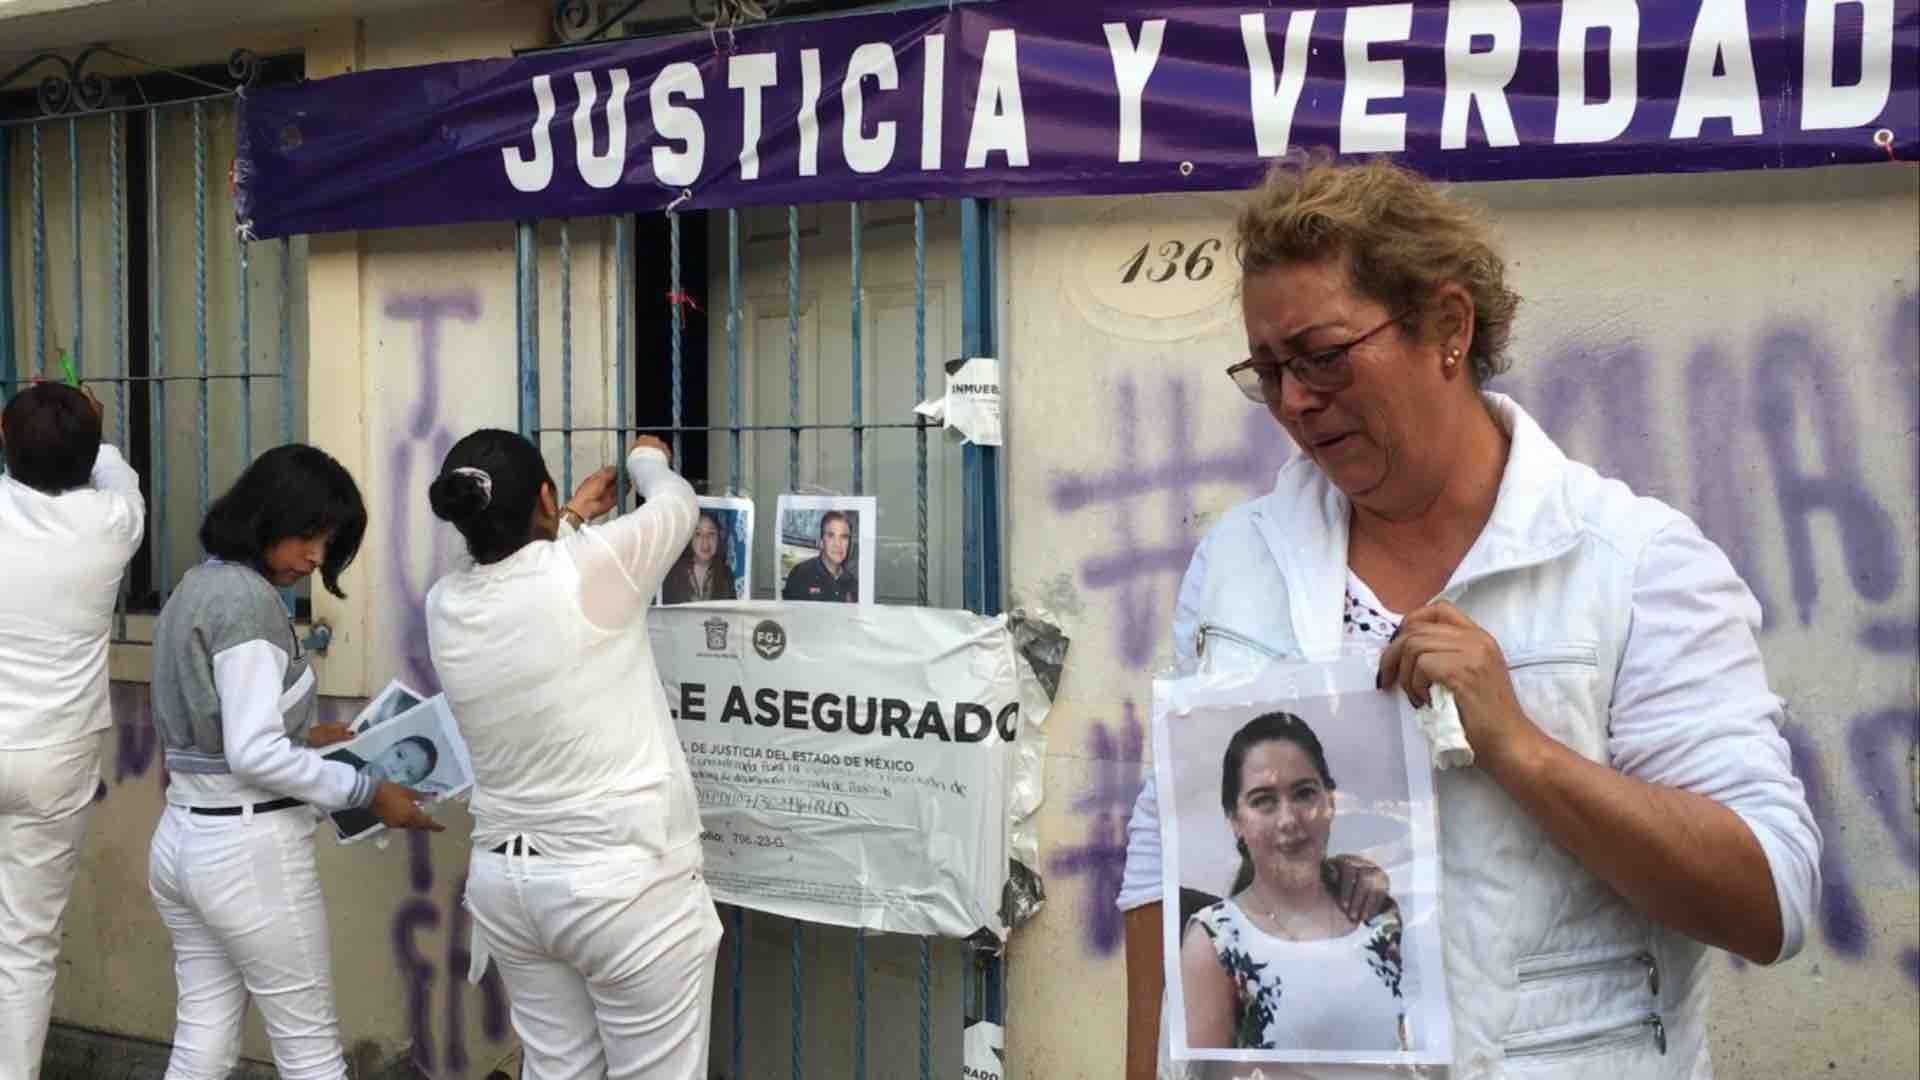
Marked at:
<point>67,100</point>
<point>984,977</point>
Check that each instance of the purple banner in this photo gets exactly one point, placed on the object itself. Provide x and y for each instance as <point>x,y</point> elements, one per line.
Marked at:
<point>1084,98</point>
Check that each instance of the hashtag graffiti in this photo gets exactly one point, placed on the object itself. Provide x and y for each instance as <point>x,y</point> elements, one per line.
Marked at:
<point>1106,805</point>
<point>1148,506</point>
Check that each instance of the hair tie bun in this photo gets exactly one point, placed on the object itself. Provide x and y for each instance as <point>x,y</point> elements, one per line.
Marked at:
<point>481,479</point>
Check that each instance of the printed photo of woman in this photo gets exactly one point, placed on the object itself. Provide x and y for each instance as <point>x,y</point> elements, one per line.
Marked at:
<point>1282,962</point>
<point>704,570</point>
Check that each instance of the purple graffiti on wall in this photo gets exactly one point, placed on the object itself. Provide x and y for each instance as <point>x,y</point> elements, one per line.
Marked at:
<point>1107,803</point>
<point>1162,466</point>
<point>135,741</point>
<point>418,447</point>
<point>416,913</point>
<point>417,450</point>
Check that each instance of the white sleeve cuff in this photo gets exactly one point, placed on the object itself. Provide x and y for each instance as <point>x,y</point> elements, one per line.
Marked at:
<point>1140,884</point>
<point>1795,868</point>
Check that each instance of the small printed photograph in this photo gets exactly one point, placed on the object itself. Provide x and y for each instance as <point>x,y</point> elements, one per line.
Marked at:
<point>826,546</point>
<point>718,561</point>
<point>1277,802</point>
<point>420,748</point>
<point>391,702</point>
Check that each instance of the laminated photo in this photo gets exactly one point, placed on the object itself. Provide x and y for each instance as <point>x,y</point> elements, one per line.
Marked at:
<point>389,703</point>
<point>1278,792</point>
<point>717,563</point>
<point>420,748</point>
<point>827,548</point>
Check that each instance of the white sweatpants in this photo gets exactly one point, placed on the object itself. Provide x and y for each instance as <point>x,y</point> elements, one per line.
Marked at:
<point>241,899</point>
<point>608,965</point>
<point>45,796</point>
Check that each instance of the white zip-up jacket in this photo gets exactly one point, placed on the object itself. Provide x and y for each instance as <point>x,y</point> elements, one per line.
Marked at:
<point>1632,641</point>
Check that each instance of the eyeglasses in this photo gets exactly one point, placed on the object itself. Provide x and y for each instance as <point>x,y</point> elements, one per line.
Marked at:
<point>1327,371</point>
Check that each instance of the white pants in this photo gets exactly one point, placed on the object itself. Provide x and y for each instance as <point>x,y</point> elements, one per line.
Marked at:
<point>608,965</point>
<point>45,796</point>
<point>241,899</point>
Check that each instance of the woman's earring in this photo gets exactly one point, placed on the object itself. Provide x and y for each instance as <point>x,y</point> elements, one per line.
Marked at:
<point>1453,357</point>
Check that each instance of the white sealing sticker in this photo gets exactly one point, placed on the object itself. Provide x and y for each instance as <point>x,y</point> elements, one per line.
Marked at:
<point>983,1051</point>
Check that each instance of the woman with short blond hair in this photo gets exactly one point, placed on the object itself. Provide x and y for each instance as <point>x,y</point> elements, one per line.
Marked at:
<point>1631,804</point>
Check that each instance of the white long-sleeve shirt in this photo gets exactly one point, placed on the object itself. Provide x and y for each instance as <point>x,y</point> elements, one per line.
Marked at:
<point>547,667</point>
<point>61,560</point>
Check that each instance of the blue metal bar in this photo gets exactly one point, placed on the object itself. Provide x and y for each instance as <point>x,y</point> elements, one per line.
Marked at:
<point>663,429</point>
<point>149,106</point>
<point>622,308</point>
<point>566,360</point>
<point>980,540</point>
<point>246,355</point>
<point>8,372</point>
<point>733,351</point>
<point>920,558</point>
<point>920,394</point>
<point>73,223</point>
<point>926,1009</point>
<point>859,442</point>
<point>859,998</point>
<point>156,361</point>
<point>793,348</point>
<point>37,345</point>
<point>980,534</point>
<point>117,198</point>
<point>286,340</point>
<point>738,991</point>
<point>117,194</point>
<point>794,1009</point>
<point>677,314</point>
<point>526,302</point>
<point>738,959</point>
<point>200,293</point>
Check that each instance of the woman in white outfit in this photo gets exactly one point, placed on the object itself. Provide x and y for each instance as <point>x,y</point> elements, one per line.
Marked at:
<point>585,885</point>
<point>231,868</point>
<point>71,516</point>
<point>1631,804</point>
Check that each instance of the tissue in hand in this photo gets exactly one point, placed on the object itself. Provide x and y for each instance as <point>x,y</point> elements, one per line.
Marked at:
<point>1439,721</point>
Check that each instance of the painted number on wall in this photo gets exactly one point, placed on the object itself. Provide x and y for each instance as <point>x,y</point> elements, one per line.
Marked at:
<point>1172,257</point>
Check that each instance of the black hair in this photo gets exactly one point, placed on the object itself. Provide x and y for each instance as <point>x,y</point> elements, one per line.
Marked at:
<point>494,513</point>
<point>290,492</point>
<point>433,752</point>
<point>52,435</point>
<point>1267,727</point>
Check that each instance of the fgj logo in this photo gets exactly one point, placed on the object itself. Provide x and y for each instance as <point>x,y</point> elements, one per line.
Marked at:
<point>716,634</point>
<point>769,640</point>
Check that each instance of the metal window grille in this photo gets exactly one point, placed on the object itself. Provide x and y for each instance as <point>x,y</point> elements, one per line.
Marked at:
<point>723,349</point>
<point>117,248</point>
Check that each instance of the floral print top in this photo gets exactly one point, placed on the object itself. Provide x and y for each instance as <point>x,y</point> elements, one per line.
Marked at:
<point>1330,994</point>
